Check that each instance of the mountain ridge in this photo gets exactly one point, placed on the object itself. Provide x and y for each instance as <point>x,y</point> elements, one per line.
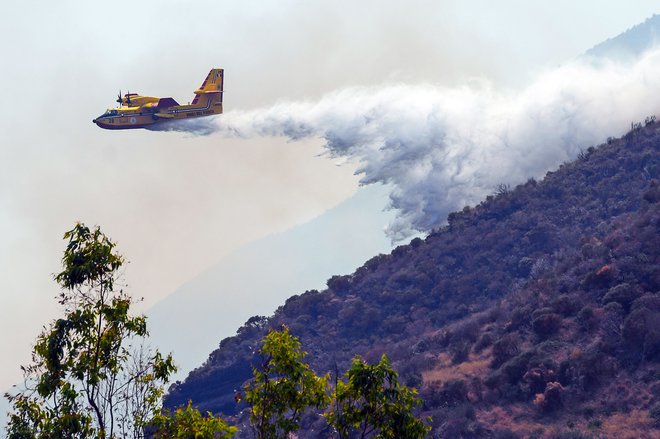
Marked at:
<point>628,45</point>
<point>489,312</point>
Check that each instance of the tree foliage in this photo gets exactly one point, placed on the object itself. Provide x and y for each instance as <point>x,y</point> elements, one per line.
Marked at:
<point>90,375</point>
<point>284,387</point>
<point>370,403</point>
<point>188,423</point>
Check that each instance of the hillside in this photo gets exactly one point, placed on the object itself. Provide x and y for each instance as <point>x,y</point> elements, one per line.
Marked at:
<point>533,314</point>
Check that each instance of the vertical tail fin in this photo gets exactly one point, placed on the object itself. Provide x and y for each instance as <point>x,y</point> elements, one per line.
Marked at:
<point>211,89</point>
<point>213,81</point>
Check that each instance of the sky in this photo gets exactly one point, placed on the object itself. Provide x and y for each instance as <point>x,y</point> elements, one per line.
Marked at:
<point>177,203</point>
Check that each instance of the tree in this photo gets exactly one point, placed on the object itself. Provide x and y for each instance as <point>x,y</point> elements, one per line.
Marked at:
<point>283,388</point>
<point>371,403</point>
<point>90,375</point>
<point>189,423</point>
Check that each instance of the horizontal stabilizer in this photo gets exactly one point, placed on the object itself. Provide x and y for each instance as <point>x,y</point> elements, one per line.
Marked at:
<point>199,92</point>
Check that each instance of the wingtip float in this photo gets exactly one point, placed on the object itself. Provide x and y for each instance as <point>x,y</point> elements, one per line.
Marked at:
<point>137,111</point>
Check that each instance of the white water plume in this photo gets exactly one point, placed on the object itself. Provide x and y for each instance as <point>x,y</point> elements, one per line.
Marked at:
<point>441,148</point>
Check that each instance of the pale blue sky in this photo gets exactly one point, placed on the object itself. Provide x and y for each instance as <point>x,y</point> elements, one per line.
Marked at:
<point>178,204</point>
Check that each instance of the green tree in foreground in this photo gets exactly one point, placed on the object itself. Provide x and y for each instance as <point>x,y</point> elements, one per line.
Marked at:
<point>90,376</point>
<point>189,423</point>
<point>372,404</point>
<point>283,388</point>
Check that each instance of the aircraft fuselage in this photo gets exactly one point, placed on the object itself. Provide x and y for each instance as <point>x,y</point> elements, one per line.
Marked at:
<point>137,111</point>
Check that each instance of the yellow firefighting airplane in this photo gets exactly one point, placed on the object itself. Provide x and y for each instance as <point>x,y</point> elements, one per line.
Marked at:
<point>137,111</point>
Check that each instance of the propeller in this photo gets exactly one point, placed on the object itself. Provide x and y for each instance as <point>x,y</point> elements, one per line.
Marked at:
<point>128,99</point>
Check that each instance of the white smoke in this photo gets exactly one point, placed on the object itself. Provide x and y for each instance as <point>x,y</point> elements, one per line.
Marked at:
<point>442,148</point>
<point>196,126</point>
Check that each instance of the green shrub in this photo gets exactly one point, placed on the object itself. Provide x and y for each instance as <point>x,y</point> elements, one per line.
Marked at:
<point>586,318</point>
<point>453,393</point>
<point>566,305</point>
<point>504,349</point>
<point>546,325</point>
<point>541,311</point>
<point>635,327</point>
<point>624,294</point>
<point>641,331</point>
<point>520,317</point>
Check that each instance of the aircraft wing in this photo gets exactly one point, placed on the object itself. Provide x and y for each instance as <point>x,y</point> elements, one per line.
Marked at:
<point>166,103</point>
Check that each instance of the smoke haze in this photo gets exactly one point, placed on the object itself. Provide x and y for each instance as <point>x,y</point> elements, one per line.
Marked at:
<point>442,148</point>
